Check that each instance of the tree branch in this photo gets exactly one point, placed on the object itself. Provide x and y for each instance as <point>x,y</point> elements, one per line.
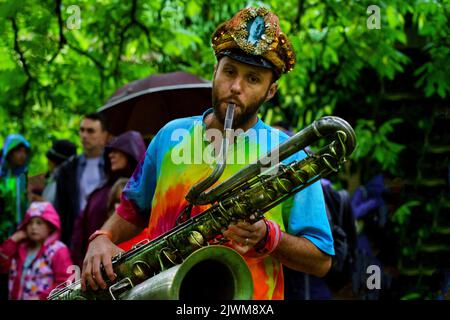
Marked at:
<point>19,52</point>
<point>344,34</point>
<point>26,69</point>
<point>133,21</point>
<point>325,38</point>
<point>298,17</point>
<point>146,31</point>
<point>62,39</point>
<point>115,71</point>
<point>86,54</point>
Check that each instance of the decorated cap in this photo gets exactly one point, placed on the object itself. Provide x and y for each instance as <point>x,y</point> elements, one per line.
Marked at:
<point>254,36</point>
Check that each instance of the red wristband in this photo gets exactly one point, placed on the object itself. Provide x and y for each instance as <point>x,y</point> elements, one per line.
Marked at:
<point>100,232</point>
<point>270,242</point>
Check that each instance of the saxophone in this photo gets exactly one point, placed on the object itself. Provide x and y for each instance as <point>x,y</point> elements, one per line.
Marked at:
<point>175,264</point>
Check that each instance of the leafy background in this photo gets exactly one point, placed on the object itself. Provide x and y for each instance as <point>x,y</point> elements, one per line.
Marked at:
<point>391,84</point>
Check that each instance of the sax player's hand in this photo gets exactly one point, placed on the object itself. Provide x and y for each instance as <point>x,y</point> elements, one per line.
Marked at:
<point>100,252</point>
<point>244,235</point>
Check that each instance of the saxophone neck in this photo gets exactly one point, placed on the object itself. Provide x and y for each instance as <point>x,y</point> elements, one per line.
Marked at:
<point>197,194</point>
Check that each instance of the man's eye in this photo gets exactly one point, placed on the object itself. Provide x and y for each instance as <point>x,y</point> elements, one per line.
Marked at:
<point>229,71</point>
<point>253,79</point>
<point>88,130</point>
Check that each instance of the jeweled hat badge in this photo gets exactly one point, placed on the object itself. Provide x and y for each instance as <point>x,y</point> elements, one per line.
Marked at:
<point>256,31</point>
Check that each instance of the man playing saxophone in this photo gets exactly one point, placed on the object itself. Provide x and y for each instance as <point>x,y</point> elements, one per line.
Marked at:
<point>252,53</point>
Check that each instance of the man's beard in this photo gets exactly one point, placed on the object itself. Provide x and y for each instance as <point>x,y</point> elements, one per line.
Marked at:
<point>241,118</point>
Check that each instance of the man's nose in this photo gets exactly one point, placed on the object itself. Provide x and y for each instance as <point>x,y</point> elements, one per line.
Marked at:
<point>84,136</point>
<point>236,86</point>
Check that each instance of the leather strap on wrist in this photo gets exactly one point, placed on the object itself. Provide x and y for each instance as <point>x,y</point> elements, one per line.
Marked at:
<point>100,232</point>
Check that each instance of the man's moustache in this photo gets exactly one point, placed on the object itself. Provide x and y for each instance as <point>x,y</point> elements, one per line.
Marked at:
<point>232,99</point>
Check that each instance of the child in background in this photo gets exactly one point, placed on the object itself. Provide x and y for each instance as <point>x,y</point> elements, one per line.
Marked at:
<point>34,257</point>
<point>114,195</point>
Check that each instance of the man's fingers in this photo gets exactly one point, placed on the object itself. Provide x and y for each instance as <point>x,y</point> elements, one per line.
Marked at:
<point>88,276</point>
<point>243,233</point>
<point>96,272</point>
<point>107,264</point>
<point>86,269</point>
<point>231,236</point>
<point>243,238</point>
<point>246,226</point>
<point>239,248</point>
<point>98,264</point>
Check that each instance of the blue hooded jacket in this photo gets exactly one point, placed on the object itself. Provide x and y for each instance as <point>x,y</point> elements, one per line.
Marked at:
<point>13,187</point>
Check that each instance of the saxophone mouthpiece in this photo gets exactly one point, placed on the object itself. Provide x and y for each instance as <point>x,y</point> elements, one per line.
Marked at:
<point>229,116</point>
<point>227,130</point>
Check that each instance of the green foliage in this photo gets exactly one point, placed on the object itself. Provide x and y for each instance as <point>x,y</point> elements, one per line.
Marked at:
<point>402,214</point>
<point>52,74</point>
<point>412,296</point>
<point>374,142</point>
<point>432,22</point>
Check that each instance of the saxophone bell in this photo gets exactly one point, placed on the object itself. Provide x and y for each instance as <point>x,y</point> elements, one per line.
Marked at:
<point>210,273</point>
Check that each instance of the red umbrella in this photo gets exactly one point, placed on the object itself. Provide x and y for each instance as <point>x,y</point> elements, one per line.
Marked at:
<point>148,104</point>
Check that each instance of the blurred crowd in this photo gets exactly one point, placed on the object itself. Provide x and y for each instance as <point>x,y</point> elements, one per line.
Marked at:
<point>44,228</point>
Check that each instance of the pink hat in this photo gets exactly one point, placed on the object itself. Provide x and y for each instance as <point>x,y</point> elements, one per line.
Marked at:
<point>45,211</point>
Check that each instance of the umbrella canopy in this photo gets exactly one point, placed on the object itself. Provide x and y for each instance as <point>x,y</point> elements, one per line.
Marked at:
<point>146,105</point>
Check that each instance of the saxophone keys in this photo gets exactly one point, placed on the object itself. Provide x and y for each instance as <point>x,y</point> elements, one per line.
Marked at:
<point>140,243</point>
<point>141,270</point>
<point>172,257</point>
<point>263,196</point>
<point>299,176</point>
<point>195,238</point>
<point>330,162</point>
<point>120,287</point>
<point>283,185</point>
<point>239,210</point>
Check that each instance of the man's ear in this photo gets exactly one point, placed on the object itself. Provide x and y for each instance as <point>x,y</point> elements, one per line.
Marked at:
<point>272,90</point>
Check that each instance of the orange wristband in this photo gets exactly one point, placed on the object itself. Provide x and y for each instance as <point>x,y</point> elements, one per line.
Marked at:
<point>100,232</point>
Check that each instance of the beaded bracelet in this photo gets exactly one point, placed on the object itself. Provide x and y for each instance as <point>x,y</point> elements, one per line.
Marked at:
<point>270,241</point>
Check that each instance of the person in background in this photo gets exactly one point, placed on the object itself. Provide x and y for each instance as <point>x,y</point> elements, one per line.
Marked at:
<point>34,257</point>
<point>113,203</point>
<point>60,151</point>
<point>373,203</point>
<point>14,159</point>
<point>82,174</point>
<point>121,156</point>
<point>114,195</point>
<point>13,183</point>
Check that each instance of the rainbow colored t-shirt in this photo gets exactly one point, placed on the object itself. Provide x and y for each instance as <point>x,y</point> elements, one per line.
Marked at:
<point>178,157</point>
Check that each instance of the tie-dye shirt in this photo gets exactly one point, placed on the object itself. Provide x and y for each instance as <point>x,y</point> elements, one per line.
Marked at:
<point>178,158</point>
